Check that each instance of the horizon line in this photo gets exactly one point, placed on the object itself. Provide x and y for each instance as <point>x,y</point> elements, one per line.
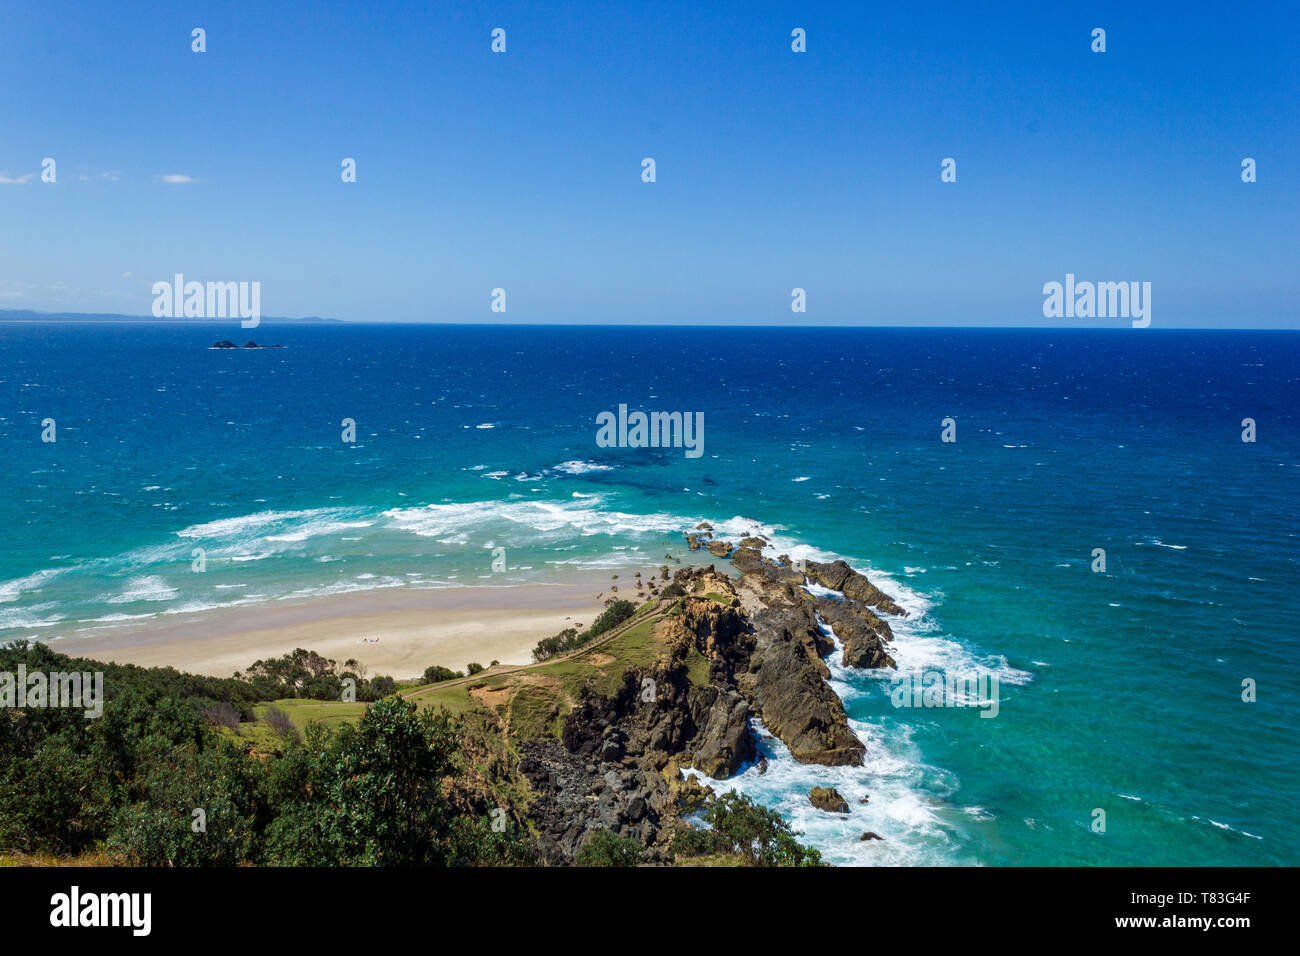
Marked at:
<point>35,316</point>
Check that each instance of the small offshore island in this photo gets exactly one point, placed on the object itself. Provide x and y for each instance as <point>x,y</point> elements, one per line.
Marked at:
<point>250,344</point>
<point>586,756</point>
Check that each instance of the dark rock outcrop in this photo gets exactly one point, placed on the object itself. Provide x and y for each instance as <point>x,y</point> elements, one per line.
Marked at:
<point>747,560</point>
<point>624,760</point>
<point>861,632</point>
<point>725,742</point>
<point>838,576</point>
<point>785,677</point>
<point>570,801</point>
<point>828,799</point>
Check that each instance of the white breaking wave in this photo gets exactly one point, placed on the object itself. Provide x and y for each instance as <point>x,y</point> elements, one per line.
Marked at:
<point>146,588</point>
<point>547,520</point>
<point>289,525</point>
<point>581,467</point>
<point>12,590</point>
<point>234,527</point>
<point>314,528</point>
<point>29,617</point>
<point>892,777</point>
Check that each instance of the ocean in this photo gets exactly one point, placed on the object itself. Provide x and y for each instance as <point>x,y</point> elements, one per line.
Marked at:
<point>1120,691</point>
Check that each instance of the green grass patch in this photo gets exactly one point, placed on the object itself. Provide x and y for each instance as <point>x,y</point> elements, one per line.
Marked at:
<point>454,698</point>
<point>303,711</point>
<point>697,667</point>
<point>537,711</point>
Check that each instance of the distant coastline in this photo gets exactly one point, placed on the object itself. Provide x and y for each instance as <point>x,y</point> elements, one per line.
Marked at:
<point>31,315</point>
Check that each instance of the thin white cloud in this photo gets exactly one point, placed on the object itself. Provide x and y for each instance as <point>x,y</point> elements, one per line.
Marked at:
<point>176,178</point>
<point>112,177</point>
<point>13,180</point>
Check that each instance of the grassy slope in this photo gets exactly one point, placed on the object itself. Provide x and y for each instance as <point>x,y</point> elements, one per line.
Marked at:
<point>534,698</point>
<point>531,699</point>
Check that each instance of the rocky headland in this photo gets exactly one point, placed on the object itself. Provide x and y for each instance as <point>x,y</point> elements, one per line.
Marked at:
<point>727,649</point>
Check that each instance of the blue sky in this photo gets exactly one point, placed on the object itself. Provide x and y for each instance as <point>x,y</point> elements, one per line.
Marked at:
<point>775,170</point>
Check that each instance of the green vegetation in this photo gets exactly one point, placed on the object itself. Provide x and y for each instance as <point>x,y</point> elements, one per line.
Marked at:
<point>697,667</point>
<point>608,849</point>
<point>370,794</point>
<point>569,639</point>
<point>742,829</point>
<point>162,779</point>
<point>306,674</point>
<point>185,770</point>
<point>436,674</point>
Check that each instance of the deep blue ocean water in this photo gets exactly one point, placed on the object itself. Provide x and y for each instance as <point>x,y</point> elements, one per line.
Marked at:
<point>1120,691</point>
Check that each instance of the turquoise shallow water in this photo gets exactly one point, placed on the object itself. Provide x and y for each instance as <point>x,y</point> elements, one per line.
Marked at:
<point>1118,691</point>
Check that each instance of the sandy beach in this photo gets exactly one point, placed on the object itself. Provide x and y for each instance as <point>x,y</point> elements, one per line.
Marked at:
<point>398,632</point>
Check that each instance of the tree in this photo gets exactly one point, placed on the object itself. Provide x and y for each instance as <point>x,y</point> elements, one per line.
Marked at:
<point>438,673</point>
<point>757,833</point>
<point>376,787</point>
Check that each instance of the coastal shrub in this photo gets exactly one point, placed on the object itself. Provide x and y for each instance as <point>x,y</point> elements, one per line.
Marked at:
<point>296,673</point>
<point>379,686</point>
<point>673,590</point>
<point>438,673</point>
<point>548,647</point>
<point>155,681</point>
<point>757,833</point>
<point>604,848</point>
<point>160,826</point>
<point>222,713</point>
<point>371,792</point>
<point>128,783</point>
<point>473,842</point>
<point>568,639</point>
<point>698,841</point>
<point>473,667</point>
<point>306,674</point>
<point>279,722</point>
<point>611,617</point>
